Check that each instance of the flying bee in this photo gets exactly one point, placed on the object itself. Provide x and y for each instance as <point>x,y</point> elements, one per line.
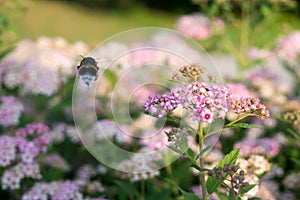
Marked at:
<point>88,70</point>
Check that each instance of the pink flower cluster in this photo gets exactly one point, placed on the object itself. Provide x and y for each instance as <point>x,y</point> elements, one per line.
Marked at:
<point>56,190</point>
<point>250,105</point>
<point>22,149</point>
<point>288,47</point>
<point>161,105</point>
<point>238,90</point>
<point>195,25</point>
<point>205,101</point>
<point>40,67</point>
<point>10,111</point>
<point>264,146</point>
<point>12,177</point>
<point>40,139</point>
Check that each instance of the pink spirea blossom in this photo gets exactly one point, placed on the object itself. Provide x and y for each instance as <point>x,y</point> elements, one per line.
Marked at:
<point>22,151</point>
<point>157,141</point>
<point>10,111</point>
<point>264,146</point>
<point>56,190</point>
<point>40,67</point>
<point>195,25</point>
<point>205,101</point>
<point>255,53</point>
<point>161,104</point>
<point>288,47</point>
<point>7,150</point>
<point>12,177</point>
<point>238,90</point>
<point>40,141</point>
<point>250,105</point>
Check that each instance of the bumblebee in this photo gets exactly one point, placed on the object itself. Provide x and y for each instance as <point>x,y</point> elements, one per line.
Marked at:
<point>88,70</point>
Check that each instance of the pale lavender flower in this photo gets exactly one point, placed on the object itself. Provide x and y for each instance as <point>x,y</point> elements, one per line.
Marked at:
<point>288,47</point>
<point>292,181</point>
<point>12,177</point>
<point>255,53</point>
<point>56,161</point>
<point>264,146</point>
<point>56,190</point>
<point>40,67</point>
<point>85,172</point>
<point>158,141</point>
<point>10,111</point>
<point>7,150</point>
<point>161,105</point>
<point>195,25</point>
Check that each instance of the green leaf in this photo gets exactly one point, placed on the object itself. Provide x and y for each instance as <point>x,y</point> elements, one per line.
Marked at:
<point>191,153</point>
<point>203,151</point>
<point>184,145</point>
<point>296,161</point>
<point>186,195</point>
<point>212,184</point>
<point>230,158</point>
<point>199,168</point>
<point>242,125</point>
<point>111,77</point>
<point>247,189</point>
<point>175,149</point>
<point>128,188</point>
<point>222,196</point>
<point>231,195</point>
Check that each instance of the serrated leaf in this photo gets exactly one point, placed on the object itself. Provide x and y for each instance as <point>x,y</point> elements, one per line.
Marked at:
<point>203,151</point>
<point>231,158</point>
<point>242,125</point>
<point>247,189</point>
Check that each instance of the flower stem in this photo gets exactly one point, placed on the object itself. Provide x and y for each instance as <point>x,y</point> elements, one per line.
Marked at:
<point>142,197</point>
<point>227,126</point>
<point>202,176</point>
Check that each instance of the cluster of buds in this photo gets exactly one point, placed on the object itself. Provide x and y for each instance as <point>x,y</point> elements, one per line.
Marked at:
<point>191,71</point>
<point>250,105</point>
<point>236,182</point>
<point>291,113</point>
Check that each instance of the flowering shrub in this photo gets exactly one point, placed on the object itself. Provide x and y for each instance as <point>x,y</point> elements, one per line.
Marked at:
<point>256,156</point>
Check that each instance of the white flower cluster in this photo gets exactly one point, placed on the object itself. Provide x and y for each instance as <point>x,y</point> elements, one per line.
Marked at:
<point>140,165</point>
<point>40,67</point>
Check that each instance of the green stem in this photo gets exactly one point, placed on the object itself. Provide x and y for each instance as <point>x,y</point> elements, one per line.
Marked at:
<point>202,176</point>
<point>227,126</point>
<point>142,197</point>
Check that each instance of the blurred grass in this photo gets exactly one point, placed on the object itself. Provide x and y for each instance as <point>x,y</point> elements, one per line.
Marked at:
<point>73,22</point>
